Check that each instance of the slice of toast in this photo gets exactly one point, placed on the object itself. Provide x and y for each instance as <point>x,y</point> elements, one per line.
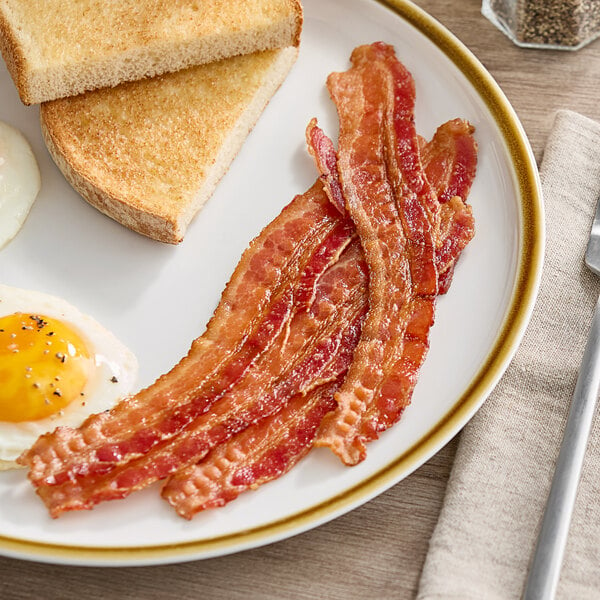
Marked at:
<point>61,48</point>
<point>149,153</point>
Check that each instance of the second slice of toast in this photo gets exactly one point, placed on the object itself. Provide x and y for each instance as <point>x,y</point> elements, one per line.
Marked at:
<point>149,153</point>
<point>60,48</point>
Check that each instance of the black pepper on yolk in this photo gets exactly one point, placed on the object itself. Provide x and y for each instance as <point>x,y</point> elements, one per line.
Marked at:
<point>44,366</point>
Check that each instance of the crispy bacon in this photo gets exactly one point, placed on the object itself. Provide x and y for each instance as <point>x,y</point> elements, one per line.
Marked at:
<point>317,348</point>
<point>271,447</point>
<point>323,151</point>
<point>396,214</point>
<point>248,399</point>
<point>275,276</point>
<point>457,229</point>
<point>450,162</point>
<point>260,454</point>
<point>290,432</point>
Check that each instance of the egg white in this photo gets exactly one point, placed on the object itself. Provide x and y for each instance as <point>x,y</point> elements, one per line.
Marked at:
<point>19,181</point>
<point>114,376</point>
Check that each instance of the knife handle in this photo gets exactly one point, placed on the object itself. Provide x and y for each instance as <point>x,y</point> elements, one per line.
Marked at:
<point>545,568</point>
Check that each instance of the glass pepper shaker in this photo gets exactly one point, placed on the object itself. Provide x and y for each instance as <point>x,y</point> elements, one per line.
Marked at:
<point>553,24</point>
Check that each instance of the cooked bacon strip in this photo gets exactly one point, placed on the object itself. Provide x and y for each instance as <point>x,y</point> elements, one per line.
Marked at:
<point>260,454</point>
<point>270,448</point>
<point>396,214</point>
<point>146,457</point>
<point>323,151</point>
<point>314,352</point>
<point>253,457</point>
<point>457,230</point>
<point>286,436</point>
<point>275,276</point>
<point>450,162</point>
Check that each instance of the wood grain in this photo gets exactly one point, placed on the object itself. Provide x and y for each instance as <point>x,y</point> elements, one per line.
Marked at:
<point>376,551</point>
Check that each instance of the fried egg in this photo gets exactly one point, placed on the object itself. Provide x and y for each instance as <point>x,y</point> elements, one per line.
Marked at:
<point>19,181</point>
<point>57,366</point>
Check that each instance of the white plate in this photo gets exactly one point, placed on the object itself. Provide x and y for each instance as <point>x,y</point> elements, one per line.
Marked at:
<point>156,297</point>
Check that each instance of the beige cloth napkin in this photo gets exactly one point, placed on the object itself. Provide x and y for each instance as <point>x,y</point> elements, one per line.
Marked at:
<point>484,539</point>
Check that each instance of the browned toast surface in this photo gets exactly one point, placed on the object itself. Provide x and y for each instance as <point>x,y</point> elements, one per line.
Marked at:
<point>67,47</point>
<point>149,153</point>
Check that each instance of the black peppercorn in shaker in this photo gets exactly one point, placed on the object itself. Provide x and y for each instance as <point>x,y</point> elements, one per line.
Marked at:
<point>554,24</point>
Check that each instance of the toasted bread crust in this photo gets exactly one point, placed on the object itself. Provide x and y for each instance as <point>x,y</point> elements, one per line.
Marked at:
<point>150,38</point>
<point>149,153</point>
<point>13,56</point>
<point>159,227</point>
<point>298,20</point>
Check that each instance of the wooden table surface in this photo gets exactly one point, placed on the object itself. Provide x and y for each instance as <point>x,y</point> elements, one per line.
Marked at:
<point>377,551</point>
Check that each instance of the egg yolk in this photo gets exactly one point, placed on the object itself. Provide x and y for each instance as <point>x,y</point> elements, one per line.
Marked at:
<point>44,366</point>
